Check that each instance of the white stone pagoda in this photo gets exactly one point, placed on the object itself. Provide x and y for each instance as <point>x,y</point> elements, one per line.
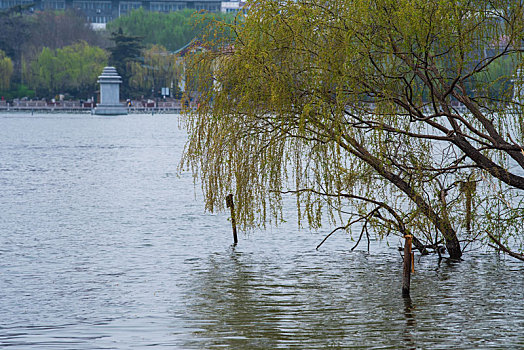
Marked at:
<point>110,93</point>
<point>518,90</point>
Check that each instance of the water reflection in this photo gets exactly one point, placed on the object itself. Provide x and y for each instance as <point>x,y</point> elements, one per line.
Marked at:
<point>410,323</point>
<point>243,298</point>
<point>232,308</point>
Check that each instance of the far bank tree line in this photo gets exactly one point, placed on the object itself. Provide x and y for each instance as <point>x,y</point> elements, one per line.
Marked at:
<point>56,52</point>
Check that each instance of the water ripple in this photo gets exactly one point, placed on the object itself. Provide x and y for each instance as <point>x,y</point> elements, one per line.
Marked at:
<point>102,247</point>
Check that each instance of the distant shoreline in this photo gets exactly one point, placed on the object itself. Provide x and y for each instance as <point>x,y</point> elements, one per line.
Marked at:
<point>131,110</point>
<point>86,108</point>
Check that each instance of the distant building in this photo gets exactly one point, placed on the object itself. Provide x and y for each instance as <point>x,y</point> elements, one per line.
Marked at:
<point>231,6</point>
<point>100,11</point>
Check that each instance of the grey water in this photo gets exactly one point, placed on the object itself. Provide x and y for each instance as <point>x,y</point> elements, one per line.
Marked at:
<point>103,246</point>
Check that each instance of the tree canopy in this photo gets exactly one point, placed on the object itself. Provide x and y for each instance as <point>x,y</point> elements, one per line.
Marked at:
<point>56,29</point>
<point>72,69</point>
<point>15,31</point>
<point>389,115</point>
<point>6,70</point>
<point>25,34</point>
<point>123,55</point>
<point>171,30</point>
<point>159,68</point>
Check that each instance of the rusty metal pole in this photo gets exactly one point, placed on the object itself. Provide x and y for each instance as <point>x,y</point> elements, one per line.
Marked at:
<point>406,274</point>
<point>231,205</point>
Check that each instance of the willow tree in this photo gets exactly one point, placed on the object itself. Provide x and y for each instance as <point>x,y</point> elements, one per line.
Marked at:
<point>160,68</point>
<point>6,71</point>
<point>379,113</point>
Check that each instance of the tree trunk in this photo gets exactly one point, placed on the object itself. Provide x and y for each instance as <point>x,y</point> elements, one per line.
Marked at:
<point>406,271</point>
<point>453,245</point>
<point>440,221</point>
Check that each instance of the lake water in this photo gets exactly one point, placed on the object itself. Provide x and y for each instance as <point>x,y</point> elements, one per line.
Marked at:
<point>103,246</point>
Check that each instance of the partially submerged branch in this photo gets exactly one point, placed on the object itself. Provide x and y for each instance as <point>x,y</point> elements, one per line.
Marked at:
<point>504,248</point>
<point>373,213</point>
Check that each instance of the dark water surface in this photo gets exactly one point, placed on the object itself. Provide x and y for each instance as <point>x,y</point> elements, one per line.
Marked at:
<point>102,246</point>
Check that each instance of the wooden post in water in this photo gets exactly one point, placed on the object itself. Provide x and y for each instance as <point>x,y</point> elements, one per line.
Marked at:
<point>406,274</point>
<point>231,205</point>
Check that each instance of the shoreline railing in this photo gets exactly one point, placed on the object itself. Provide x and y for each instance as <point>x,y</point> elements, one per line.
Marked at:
<point>163,107</point>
